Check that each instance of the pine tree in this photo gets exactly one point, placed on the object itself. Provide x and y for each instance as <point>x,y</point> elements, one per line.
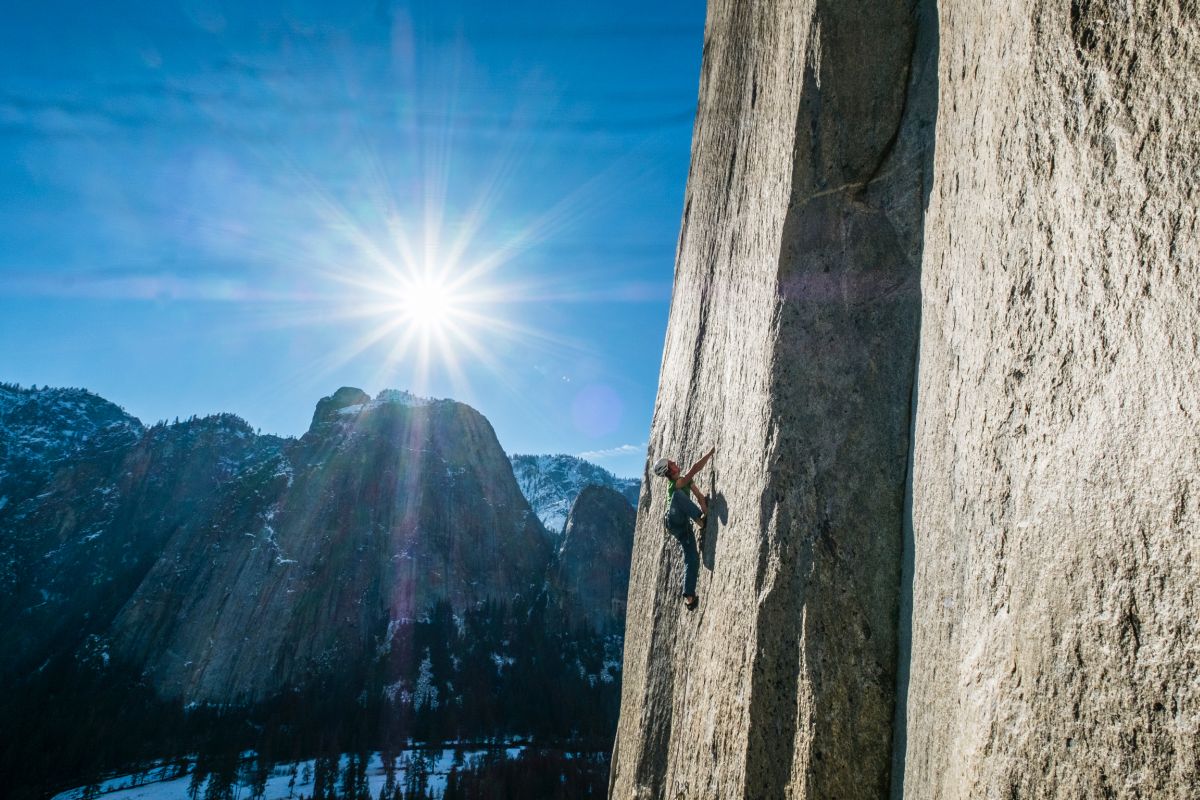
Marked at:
<point>258,778</point>
<point>389,771</point>
<point>220,784</point>
<point>197,781</point>
<point>453,791</point>
<point>320,779</point>
<point>362,787</point>
<point>349,782</point>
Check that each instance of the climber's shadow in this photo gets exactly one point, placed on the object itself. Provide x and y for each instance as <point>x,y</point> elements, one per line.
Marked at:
<point>718,515</point>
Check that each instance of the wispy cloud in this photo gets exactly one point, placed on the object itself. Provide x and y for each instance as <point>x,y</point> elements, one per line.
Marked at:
<point>613,452</point>
<point>148,287</point>
<point>567,33</point>
<point>246,107</point>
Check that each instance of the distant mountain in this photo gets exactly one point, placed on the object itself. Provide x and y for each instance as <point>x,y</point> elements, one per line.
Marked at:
<point>231,565</point>
<point>589,578</point>
<point>380,578</point>
<point>552,482</point>
<point>42,430</point>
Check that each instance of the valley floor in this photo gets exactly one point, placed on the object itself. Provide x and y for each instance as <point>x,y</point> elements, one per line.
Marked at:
<point>294,780</point>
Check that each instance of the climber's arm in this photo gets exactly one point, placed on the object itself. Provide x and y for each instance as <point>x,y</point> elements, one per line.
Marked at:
<point>701,500</point>
<point>699,465</point>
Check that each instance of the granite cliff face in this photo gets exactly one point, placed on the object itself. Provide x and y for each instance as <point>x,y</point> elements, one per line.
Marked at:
<point>55,443</point>
<point>1056,509</point>
<point>994,596</point>
<point>791,349</point>
<point>380,510</point>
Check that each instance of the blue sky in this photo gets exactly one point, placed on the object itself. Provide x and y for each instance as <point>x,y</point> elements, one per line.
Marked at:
<point>211,206</point>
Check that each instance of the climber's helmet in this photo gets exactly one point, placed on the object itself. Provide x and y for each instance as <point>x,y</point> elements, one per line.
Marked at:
<point>660,467</point>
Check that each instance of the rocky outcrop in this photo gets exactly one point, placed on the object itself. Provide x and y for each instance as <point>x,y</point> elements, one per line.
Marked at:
<point>791,348</point>
<point>1033,595</point>
<point>1056,504</point>
<point>589,579</point>
<point>380,511</point>
<point>43,430</point>
<point>346,397</point>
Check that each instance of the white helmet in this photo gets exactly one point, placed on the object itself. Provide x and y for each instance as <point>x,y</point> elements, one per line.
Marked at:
<point>660,467</point>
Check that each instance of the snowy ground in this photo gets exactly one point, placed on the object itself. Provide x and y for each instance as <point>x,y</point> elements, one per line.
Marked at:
<point>151,785</point>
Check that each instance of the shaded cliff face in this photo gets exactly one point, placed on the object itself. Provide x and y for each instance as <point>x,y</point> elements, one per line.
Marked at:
<point>380,510</point>
<point>1055,496</point>
<point>106,499</point>
<point>231,565</point>
<point>44,430</point>
<point>791,348</point>
<point>589,579</point>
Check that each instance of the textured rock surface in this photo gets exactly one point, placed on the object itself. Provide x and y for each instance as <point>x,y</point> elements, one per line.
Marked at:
<point>43,430</point>
<point>589,579</point>
<point>1047,583</point>
<point>1056,507</point>
<point>791,348</point>
<point>345,397</point>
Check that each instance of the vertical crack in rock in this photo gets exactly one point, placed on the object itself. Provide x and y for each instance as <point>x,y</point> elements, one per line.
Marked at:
<point>843,369</point>
<point>920,113</point>
<point>904,626</point>
<point>790,347</point>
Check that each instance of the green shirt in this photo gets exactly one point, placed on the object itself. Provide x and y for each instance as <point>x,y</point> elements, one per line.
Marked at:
<point>674,489</point>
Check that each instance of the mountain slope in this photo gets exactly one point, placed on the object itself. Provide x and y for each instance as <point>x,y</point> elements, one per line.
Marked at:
<point>44,429</point>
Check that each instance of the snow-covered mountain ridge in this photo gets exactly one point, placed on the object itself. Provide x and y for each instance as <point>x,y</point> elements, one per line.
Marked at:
<point>41,428</point>
<point>552,482</point>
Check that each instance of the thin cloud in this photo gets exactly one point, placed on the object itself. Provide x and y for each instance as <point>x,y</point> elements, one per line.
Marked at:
<point>572,33</point>
<point>169,107</point>
<point>613,452</point>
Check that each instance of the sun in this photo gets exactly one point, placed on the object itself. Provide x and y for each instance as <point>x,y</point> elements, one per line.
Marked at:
<point>435,312</point>
<point>428,303</point>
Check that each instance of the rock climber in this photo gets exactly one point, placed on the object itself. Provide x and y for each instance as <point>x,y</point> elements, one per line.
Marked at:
<point>679,515</point>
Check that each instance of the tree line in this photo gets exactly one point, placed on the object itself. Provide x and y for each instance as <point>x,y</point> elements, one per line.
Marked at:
<point>484,675</point>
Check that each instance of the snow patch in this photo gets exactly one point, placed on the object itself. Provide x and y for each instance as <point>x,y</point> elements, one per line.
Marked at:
<point>552,482</point>
<point>425,692</point>
<point>166,781</point>
<point>402,398</point>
